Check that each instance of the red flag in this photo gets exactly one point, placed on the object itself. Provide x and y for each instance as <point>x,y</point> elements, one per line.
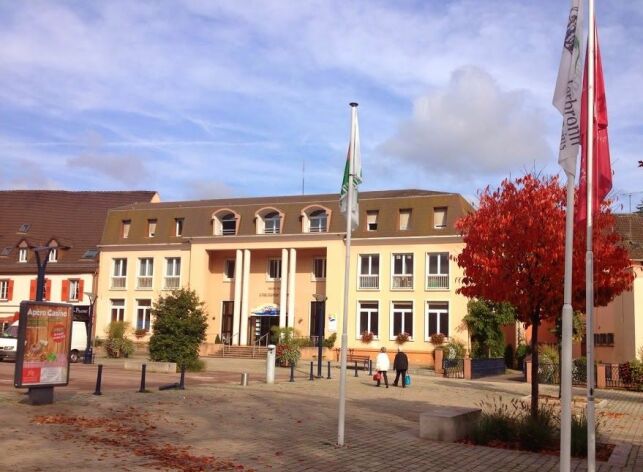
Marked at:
<point>602,175</point>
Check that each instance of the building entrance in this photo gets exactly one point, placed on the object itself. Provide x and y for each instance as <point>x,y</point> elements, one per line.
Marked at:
<point>260,327</point>
<point>227,322</point>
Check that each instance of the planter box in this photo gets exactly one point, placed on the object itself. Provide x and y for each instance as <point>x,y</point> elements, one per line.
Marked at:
<point>169,367</point>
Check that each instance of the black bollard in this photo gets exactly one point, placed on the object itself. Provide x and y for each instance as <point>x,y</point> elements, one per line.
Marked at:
<point>370,367</point>
<point>355,368</point>
<point>143,369</point>
<point>311,371</point>
<point>292,372</point>
<point>328,378</point>
<point>99,379</point>
<point>182,381</point>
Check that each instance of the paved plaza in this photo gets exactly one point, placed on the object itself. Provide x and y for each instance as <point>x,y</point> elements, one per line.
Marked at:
<point>216,424</point>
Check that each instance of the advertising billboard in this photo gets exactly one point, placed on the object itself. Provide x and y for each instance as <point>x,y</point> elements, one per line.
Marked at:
<point>44,341</point>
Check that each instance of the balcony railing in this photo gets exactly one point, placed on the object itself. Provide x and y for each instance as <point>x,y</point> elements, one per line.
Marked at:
<point>271,230</point>
<point>402,281</point>
<point>369,281</point>
<point>119,282</point>
<point>437,281</point>
<point>144,282</point>
<point>172,283</point>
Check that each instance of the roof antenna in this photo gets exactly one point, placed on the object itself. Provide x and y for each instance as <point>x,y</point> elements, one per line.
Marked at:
<point>303,176</point>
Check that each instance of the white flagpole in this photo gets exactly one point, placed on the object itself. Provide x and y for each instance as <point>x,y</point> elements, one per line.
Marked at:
<point>589,257</point>
<point>566,344</point>
<point>349,217</point>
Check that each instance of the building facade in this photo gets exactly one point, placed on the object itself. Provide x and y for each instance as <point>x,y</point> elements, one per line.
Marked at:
<point>70,224</point>
<point>279,261</point>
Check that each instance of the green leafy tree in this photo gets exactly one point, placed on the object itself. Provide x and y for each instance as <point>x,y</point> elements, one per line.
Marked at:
<point>484,319</point>
<point>179,328</point>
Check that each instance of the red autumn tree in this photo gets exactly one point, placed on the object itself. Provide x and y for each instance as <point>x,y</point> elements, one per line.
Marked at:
<point>514,252</point>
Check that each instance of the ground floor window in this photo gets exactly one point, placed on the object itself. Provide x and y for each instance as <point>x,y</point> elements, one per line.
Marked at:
<point>402,319</point>
<point>118,309</point>
<point>143,313</point>
<point>437,318</point>
<point>368,318</point>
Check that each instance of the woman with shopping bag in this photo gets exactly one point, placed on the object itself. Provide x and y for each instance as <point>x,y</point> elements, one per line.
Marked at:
<point>382,364</point>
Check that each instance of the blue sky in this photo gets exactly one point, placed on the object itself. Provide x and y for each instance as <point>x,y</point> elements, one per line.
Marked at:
<point>203,99</point>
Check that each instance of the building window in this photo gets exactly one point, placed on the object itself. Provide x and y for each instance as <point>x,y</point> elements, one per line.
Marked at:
<point>145,273</point>
<point>5,251</point>
<point>22,254</point>
<point>118,309</point>
<point>228,269</point>
<point>371,220</point>
<point>119,275</point>
<point>53,255</point>
<point>318,220</point>
<point>225,224</point>
<point>437,268</point>
<point>402,319</point>
<point>402,271</point>
<point>151,228</point>
<point>4,289</point>
<point>24,228</point>
<point>440,217</point>
<point>125,226</point>
<point>319,268</point>
<point>272,223</point>
<point>74,290</point>
<point>437,319</point>
<point>405,219</point>
<point>603,339</point>
<point>172,273</point>
<point>143,314</point>
<point>274,269</point>
<point>178,227</point>
<point>368,319</point>
<point>369,271</point>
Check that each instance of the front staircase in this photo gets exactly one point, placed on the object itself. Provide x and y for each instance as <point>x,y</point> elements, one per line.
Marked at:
<point>242,352</point>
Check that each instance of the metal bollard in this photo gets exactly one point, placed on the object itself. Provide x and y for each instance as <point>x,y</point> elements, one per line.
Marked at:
<point>244,379</point>
<point>328,378</point>
<point>292,372</point>
<point>182,379</point>
<point>99,379</point>
<point>311,371</point>
<point>355,368</point>
<point>143,369</point>
<point>370,367</point>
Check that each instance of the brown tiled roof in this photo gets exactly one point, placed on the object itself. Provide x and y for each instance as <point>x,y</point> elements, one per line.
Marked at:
<point>198,214</point>
<point>74,219</point>
<point>630,227</point>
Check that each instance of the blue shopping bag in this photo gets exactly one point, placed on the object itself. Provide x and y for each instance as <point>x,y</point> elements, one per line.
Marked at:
<point>407,380</point>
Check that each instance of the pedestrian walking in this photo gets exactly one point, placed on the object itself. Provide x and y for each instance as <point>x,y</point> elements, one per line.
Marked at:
<point>401,365</point>
<point>382,364</point>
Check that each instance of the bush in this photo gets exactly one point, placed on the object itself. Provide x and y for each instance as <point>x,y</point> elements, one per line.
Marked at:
<point>117,344</point>
<point>539,432</point>
<point>178,329</point>
<point>217,339</point>
<point>579,435</point>
<point>329,342</point>
<point>454,350</point>
<point>497,422</point>
<point>287,351</point>
<point>522,351</point>
<point>98,342</point>
<point>437,339</point>
<point>195,365</point>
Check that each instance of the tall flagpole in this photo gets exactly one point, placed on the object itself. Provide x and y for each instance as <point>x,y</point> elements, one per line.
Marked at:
<point>349,217</point>
<point>589,256</point>
<point>566,344</point>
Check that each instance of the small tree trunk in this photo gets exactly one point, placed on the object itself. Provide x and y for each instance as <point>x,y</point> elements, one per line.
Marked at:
<point>534,363</point>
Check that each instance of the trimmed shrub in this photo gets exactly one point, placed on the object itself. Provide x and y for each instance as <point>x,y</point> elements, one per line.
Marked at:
<point>117,344</point>
<point>329,342</point>
<point>178,329</point>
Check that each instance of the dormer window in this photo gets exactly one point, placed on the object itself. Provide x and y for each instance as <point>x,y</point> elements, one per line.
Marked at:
<point>24,228</point>
<point>272,222</point>
<point>371,220</point>
<point>53,255</point>
<point>225,223</point>
<point>318,221</point>
<point>440,217</point>
<point>125,226</point>
<point>22,254</point>
<point>151,228</point>
<point>178,227</point>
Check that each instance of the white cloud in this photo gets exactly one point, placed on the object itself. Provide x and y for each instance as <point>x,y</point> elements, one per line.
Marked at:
<point>471,126</point>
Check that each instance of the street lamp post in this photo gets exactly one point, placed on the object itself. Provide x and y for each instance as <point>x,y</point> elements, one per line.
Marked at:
<point>89,354</point>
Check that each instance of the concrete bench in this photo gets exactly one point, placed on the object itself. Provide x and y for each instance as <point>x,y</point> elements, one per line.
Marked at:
<point>447,423</point>
<point>168,367</point>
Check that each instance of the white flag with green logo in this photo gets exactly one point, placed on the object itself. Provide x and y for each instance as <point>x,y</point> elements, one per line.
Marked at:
<point>353,149</point>
<point>567,95</point>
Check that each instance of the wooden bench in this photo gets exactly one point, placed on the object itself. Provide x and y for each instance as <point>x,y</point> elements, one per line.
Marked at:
<point>352,358</point>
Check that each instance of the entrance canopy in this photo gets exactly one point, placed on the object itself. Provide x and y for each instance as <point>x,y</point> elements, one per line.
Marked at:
<point>266,310</point>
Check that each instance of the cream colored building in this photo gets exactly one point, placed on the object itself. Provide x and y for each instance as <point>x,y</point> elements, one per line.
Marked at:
<point>279,261</point>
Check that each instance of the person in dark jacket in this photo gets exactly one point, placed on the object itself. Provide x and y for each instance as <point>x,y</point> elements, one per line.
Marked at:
<point>401,365</point>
